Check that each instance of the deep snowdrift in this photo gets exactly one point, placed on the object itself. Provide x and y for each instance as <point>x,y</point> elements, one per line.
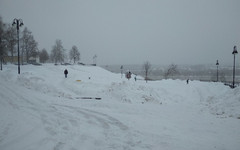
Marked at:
<point>40,109</point>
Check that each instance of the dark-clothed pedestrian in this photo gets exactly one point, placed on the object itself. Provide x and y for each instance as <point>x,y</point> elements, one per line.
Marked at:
<point>65,72</point>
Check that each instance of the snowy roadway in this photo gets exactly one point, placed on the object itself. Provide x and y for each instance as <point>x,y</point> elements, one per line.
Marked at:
<point>40,109</point>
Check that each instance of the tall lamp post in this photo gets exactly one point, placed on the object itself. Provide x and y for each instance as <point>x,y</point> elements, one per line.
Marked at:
<point>217,69</point>
<point>121,71</point>
<point>234,53</point>
<point>18,23</point>
<point>95,60</point>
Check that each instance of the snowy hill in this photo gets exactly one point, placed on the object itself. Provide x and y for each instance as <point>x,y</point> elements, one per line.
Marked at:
<point>40,109</point>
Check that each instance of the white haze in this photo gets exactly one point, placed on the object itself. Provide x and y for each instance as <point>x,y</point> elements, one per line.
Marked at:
<point>135,31</point>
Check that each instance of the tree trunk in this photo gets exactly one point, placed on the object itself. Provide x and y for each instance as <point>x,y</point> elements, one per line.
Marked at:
<point>1,63</point>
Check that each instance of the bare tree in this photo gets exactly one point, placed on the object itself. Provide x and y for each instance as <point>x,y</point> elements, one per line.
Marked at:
<point>33,49</point>
<point>57,53</point>
<point>2,41</point>
<point>74,54</point>
<point>29,45</point>
<point>171,71</point>
<point>147,67</point>
<point>43,55</point>
<point>11,40</point>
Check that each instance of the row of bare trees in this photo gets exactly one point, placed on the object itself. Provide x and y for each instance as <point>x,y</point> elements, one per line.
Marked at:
<point>29,47</point>
<point>171,71</point>
<point>58,53</point>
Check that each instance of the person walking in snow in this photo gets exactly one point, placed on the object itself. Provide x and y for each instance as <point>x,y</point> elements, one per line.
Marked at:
<point>65,72</point>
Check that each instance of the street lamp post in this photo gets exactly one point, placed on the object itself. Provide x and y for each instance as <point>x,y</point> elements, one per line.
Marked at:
<point>217,69</point>
<point>121,71</point>
<point>234,53</point>
<point>18,23</point>
<point>95,60</point>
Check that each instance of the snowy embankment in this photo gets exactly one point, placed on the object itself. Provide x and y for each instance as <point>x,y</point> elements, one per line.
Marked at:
<point>40,109</point>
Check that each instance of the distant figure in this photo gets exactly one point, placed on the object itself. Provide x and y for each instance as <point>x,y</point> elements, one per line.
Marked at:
<point>187,81</point>
<point>135,78</point>
<point>65,72</point>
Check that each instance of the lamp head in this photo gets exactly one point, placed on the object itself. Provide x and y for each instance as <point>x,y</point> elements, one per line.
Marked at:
<point>235,50</point>
<point>17,22</point>
<point>217,63</point>
<point>13,23</point>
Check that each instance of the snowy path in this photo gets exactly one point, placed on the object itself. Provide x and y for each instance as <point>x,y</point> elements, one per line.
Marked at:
<point>57,126</point>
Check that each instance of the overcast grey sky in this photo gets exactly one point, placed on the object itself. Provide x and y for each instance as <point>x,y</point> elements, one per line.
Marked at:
<point>134,31</point>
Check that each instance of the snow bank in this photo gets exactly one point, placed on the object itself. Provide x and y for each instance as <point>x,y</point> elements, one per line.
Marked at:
<point>41,109</point>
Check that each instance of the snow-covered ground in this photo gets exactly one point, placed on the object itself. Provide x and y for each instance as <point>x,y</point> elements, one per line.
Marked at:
<point>42,110</point>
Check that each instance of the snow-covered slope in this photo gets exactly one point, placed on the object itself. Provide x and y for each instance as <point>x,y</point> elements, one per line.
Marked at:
<point>40,109</point>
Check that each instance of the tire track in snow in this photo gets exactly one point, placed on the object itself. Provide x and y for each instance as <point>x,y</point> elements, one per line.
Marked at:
<point>22,106</point>
<point>68,124</point>
<point>105,120</point>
